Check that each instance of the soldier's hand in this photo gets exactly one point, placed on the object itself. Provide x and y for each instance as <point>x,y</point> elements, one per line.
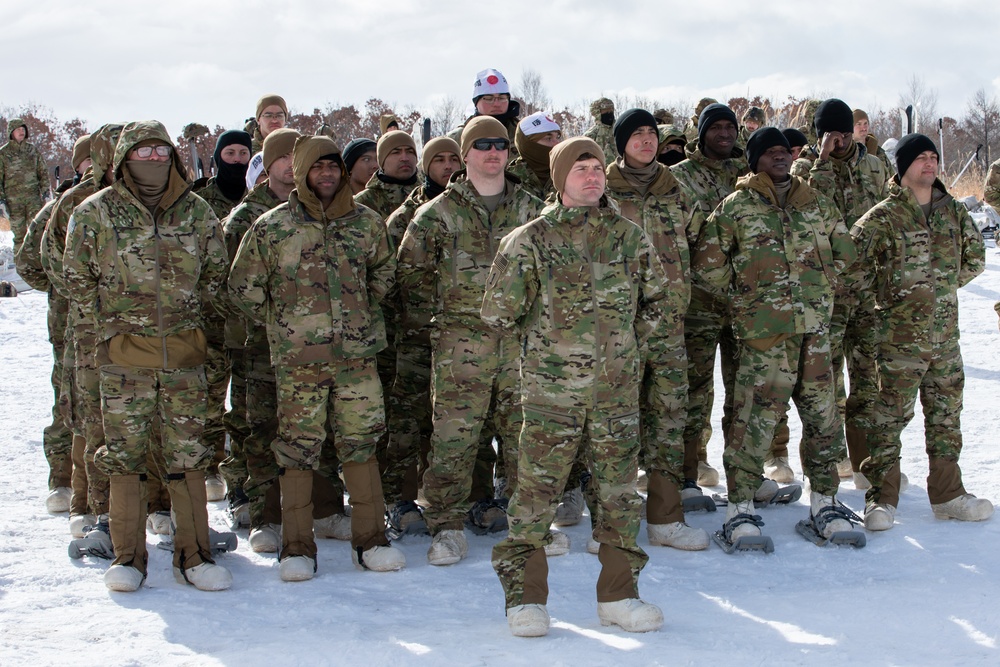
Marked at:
<point>830,142</point>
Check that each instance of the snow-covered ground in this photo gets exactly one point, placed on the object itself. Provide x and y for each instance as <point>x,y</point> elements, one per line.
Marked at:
<point>924,593</point>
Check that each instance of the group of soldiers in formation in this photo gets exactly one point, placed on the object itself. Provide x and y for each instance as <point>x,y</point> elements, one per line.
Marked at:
<point>381,318</point>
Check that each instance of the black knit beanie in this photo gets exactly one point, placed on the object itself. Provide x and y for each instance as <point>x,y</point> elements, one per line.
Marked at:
<point>629,122</point>
<point>909,147</point>
<point>794,137</point>
<point>355,149</point>
<point>712,114</point>
<point>833,115</point>
<point>760,141</point>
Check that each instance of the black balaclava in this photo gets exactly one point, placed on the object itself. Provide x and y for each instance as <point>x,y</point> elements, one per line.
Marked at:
<point>231,178</point>
<point>608,118</point>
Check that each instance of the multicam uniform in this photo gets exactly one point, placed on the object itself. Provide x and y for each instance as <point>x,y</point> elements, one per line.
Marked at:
<point>316,286</point>
<point>583,288</point>
<point>779,267</point>
<point>149,278</point>
<point>444,260</point>
<point>602,134</point>
<point>991,188</point>
<point>915,266</point>
<point>707,325</point>
<point>854,184</point>
<point>672,221</point>
<point>24,180</point>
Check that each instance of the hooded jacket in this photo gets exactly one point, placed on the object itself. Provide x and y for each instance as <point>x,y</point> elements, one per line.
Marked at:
<point>150,278</point>
<point>778,267</point>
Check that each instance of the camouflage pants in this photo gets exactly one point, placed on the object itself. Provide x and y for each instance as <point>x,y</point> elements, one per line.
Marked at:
<point>705,330</point>
<point>936,373</point>
<point>57,438</point>
<point>87,392</point>
<point>663,397</point>
<point>316,400</point>
<point>217,374</point>
<point>234,467</point>
<point>860,348</point>
<point>549,443</point>
<point>797,368</point>
<point>410,424</point>
<point>132,399</point>
<point>22,208</point>
<point>474,387</point>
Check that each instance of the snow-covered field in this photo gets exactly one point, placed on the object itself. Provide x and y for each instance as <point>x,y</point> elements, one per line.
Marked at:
<point>924,593</point>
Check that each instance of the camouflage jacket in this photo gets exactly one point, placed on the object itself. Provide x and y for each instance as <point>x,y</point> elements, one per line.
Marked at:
<point>446,253</point>
<point>28,258</point>
<point>916,264</point>
<point>392,305</point>
<point>241,332</point>
<point>779,267</point>
<point>671,220</point>
<point>605,138</point>
<point>529,180</point>
<point>382,197</point>
<point>53,241</point>
<point>220,203</point>
<point>140,275</point>
<point>316,287</point>
<point>23,174</point>
<point>853,185</point>
<point>708,182</point>
<point>991,189</point>
<point>583,289</point>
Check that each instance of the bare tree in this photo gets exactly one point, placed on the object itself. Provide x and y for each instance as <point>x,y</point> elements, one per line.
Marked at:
<point>532,93</point>
<point>445,115</point>
<point>981,125</point>
<point>924,101</point>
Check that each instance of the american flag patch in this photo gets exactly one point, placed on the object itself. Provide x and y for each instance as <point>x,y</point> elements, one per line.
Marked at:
<point>500,263</point>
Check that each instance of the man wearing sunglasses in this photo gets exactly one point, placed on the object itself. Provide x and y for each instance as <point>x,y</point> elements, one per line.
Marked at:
<point>444,259</point>
<point>148,259</point>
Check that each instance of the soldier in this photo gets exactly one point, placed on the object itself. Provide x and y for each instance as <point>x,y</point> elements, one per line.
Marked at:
<point>271,115</point>
<point>583,289</point>
<point>387,122</point>
<point>396,176</point>
<point>843,170</point>
<point>444,259</point>
<point>691,130</point>
<point>663,117</point>
<point>222,192</point>
<point>753,120</point>
<point>409,404</point>
<point>24,179</point>
<point>147,258</point>
<point>991,188</point>
<point>671,148</point>
<point>603,113</point>
<point>796,141</point>
<point>64,454</point>
<point>313,271</point>
<point>778,250</point>
<point>650,196</point>
<point>81,379</point>
<point>709,173</point>
<point>862,135</point>
<point>361,158</point>
<point>534,138</point>
<point>919,246</point>
<point>491,97</point>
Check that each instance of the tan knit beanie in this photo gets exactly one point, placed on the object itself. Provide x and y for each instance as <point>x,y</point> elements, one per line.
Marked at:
<point>564,154</point>
<point>481,127</point>
<point>268,100</point>
<point>436,146</point>
<point>81,150</point>
<point>278,143</point>
<point>390,141</point>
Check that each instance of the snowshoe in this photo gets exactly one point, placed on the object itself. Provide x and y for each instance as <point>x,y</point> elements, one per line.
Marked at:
<point>724,537</point>
<point>487,516</point>
<point>220,542</point>
<point>812,528</point>
<point>693,500</point>
<point>785,495</point>
<point>404,518</point>
<point>96,542</point>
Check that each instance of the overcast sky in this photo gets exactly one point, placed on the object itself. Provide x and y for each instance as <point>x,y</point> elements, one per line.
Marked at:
<point>209,60</point>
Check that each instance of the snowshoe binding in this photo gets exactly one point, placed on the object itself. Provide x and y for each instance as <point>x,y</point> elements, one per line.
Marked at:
<point>813,527</point>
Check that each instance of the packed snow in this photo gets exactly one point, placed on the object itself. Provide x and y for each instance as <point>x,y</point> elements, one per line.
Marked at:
<point>923,593</point>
